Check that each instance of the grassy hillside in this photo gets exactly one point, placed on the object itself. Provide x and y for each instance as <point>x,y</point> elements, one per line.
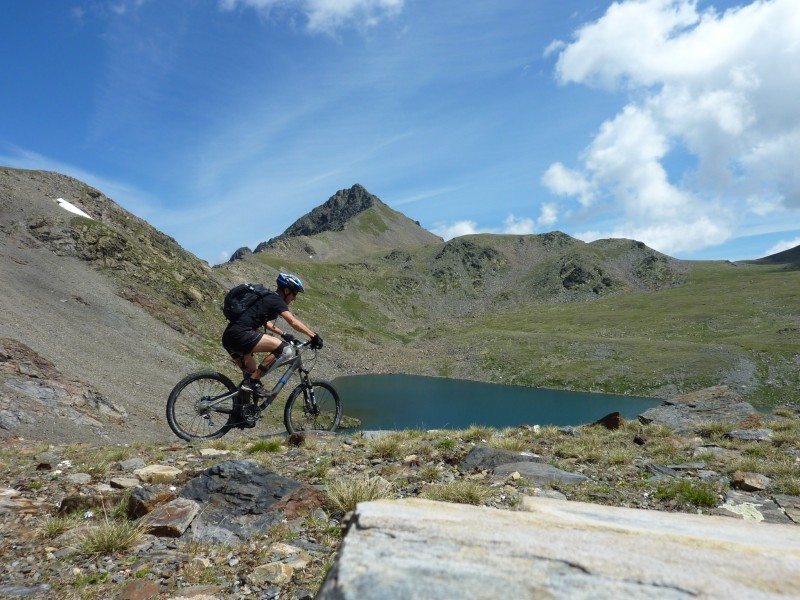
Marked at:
<point>725,323</point>
<point>473,308</point>
<point>542,310</point>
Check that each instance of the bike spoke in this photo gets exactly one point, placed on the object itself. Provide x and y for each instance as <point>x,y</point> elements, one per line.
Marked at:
<point>313,409</point>
<point>201,406</point>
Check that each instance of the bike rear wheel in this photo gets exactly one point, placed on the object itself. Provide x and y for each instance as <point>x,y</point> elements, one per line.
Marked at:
<point>193,409</point>
<point>313,408</point>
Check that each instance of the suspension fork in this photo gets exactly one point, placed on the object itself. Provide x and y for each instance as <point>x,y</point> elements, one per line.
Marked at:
<point>309,399</point>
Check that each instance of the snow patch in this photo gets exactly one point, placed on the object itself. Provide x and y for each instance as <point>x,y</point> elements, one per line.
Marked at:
<point>71,208</point>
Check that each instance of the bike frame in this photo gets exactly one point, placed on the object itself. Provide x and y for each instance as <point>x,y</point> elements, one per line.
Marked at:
<point>293,364</point>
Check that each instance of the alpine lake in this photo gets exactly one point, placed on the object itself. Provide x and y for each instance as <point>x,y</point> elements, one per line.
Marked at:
<point>395,402</point>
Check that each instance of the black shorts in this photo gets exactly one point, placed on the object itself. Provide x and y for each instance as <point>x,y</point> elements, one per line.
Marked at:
<point>238,340</point>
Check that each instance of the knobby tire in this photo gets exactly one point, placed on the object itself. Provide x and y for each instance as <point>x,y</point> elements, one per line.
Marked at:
<point>187,413</point>
<point>298,418</point>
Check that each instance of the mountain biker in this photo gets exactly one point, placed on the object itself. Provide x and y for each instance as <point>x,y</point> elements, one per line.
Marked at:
<point>242,337</point>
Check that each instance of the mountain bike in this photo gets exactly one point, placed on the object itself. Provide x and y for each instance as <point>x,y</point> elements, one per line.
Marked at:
<point>207,405</point>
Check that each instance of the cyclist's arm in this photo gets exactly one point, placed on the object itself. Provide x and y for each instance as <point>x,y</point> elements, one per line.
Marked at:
<point>297,324</point>
<point>273,328</point>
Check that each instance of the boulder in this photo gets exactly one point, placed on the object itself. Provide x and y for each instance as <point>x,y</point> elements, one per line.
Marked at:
<point>398,549</point>
<point>240,498</point>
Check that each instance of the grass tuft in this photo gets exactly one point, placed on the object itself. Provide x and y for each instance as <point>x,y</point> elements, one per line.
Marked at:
<point>343,494</point>
<point>463,491</point>
<point>271,445</point>
<point>111,537</point>
<point>477,433</point>
<point>54,525</point>
<point>688,493</point>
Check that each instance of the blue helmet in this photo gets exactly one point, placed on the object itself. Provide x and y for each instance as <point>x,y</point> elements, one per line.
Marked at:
<point>286,280</point>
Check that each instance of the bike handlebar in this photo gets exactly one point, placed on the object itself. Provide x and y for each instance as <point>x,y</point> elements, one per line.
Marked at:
<point>298,344</point>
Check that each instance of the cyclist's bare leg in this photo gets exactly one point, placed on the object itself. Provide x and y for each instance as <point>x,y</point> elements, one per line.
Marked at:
<point>265,344</point>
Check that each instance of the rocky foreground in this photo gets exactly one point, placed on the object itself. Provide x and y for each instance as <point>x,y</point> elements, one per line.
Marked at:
<point>249,517</point>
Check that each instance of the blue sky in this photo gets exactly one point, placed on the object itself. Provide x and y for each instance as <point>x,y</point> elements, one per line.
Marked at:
<point>221,122</point>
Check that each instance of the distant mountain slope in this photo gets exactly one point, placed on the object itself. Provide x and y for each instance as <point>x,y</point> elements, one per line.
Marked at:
<point>151,268</point>
<point>100,316</point>
<point>115,306</point>
<point>350,224</point>
<point>787,257</point>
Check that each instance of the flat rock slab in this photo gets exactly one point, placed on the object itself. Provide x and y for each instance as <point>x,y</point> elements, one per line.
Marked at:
<point>689,413</point>
<point>539,473</point>
<point>483,457</point>
<point>413,548</point>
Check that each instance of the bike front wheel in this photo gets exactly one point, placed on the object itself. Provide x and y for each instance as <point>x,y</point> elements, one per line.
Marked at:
<point>313,408</point>
<point>201,406</point>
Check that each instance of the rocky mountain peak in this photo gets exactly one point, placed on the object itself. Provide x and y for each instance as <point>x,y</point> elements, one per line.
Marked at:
<point>334,213</point>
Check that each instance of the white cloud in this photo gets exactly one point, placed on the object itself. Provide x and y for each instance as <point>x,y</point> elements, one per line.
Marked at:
<point>717,90</point>
<point>512,225</point>
<point>326,16</point>
<point>762,206</point>
<point>548,216</point>
<point>686,236</point>
<point>566,182</point>
<point>518,226</point>
<point>783,245</point>
<point>449,231</point>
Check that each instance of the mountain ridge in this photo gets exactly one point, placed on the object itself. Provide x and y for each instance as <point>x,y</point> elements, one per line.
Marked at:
<point>368,224</point>
<point>116,304</point>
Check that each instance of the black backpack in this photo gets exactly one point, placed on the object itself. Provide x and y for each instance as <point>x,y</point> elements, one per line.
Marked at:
<point>242,297</point>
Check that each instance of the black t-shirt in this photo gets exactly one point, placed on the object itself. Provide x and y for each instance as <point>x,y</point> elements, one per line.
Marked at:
<point>266,309</point>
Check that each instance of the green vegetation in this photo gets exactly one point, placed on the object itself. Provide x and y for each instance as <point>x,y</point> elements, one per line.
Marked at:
<point>111,536</point>
<point>723,319</point>
<point>270,445</point>
<point>538,310</point>
<point>688,493</point>
<point>462,491</point>
<point>54,525</point>
<point>537,317</point>
<point>344,493</point>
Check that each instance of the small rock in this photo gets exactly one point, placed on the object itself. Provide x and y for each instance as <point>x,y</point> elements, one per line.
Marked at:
<point>124,483</point>
<point>139,589</point>
<point>157,473</point>
<point>79,478</point>
<point>662,470</point>
<point>539,473</point>
<point>212,452</point>
<point>274,573</point>
<point>750,482</point>
<point>790,505</point>
<point>131,464</point>
<point>171,519</point>
<point>611,421</point>
<point>750,435</point>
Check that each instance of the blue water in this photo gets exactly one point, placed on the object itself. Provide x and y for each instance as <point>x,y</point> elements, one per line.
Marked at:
<point>413,402</point>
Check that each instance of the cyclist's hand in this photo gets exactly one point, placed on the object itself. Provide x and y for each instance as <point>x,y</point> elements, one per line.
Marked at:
<point>287,337</point>
<point>316,342</point>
